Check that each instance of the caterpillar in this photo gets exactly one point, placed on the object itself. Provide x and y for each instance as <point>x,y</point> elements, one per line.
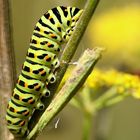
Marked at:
<point>52,30</point>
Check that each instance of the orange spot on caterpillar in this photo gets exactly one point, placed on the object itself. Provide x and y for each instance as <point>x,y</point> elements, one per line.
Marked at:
<point>41,72</point>
<point>26,85</point>
<point>15,111</point>
<point>37,86</point>
<point>48,44</point>
<point>47,57</point>
<point>30,101</point>
<point>18,81</point>
<point>49,17</point>
<point>52,35</point>
<point>20,98</point>
<point>25,113</point>
<point>22,123</point>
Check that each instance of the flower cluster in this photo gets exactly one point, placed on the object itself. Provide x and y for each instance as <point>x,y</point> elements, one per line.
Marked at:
<point>123,81</point>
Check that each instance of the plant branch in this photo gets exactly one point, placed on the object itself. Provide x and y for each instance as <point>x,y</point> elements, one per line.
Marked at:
<point>7,65</point>
<point>87,124</point>
<point>109,98</point>
<point>78,77</point>
<point>68,54</point>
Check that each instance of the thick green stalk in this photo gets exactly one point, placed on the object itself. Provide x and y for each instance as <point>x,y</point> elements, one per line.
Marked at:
<point>68,53</point>
<point>87,124</point>
<point>78,77</point>
<point>100,103</point>
<point>7,65</point>
<point>76,37</point>
<point>109,98</point>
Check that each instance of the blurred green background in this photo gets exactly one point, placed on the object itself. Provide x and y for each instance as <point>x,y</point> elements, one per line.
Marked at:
<point>115,26</point>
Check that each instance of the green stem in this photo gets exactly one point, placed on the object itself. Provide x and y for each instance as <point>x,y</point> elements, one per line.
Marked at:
<point>101,101</point>
<point>87,124</point>
<point>109,98</point>
<point>116,99</point>
<point>74,40</point>
<point>68,54</point>
<point>78,77</point>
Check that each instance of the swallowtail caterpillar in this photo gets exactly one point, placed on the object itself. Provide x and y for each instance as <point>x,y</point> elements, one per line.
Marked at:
<point>53,28</point>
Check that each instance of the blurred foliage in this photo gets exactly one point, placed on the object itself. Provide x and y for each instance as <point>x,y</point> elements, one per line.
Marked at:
<point>101,81</point>
<point>124,82</point>
<point>118,30</point>
<point>103,89</point>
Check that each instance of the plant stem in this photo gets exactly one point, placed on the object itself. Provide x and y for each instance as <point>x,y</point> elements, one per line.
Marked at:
<point>68,54</point>
<point>109,98</point>
<point>87,124</point>
<point>116,99</point>
<point>101,101</point>
<point>78,76</point>
<point>7,65</point>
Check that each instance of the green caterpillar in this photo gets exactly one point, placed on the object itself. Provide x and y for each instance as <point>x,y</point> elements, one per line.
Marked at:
<point>52,30</point>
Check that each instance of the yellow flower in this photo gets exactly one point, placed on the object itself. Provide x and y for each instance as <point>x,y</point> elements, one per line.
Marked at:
<point>124,82</point>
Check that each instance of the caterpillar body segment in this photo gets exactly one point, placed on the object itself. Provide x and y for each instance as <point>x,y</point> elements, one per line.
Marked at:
<point>52,30</point>
<point>36,71</point>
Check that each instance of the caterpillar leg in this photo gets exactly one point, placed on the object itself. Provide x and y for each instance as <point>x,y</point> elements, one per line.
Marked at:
<point>40,105</point>
<point>51,78</point>
<point>55,63</point>
<point>45,92</point>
